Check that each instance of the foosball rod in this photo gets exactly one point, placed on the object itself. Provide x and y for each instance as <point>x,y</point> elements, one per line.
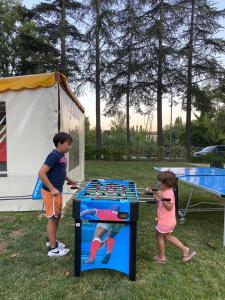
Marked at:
<point>108,198</point>
<point>110,193</point>
<point>111,184</point>
<point>108,189</point>
<point>152,200</point>
<point>153,189</point>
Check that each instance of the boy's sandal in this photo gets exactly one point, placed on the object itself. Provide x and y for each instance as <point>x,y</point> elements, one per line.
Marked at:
<point>189,256</point>
<point>158,260</point>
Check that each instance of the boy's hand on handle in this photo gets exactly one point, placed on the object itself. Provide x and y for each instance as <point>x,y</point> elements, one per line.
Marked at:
<point>148,189</point>
<point>71,181</point>
<point>74,184</point>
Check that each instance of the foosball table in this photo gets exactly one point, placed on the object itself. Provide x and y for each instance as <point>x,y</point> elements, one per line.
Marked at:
<point>106,214</point>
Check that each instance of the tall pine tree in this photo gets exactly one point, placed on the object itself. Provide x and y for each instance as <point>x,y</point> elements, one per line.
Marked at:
<point>199,53</point>
<point>98,39</point>
<point>58,21</point>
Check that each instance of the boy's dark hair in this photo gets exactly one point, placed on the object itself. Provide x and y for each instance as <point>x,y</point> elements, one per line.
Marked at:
<point>167,178</point>
<point>61,137</point>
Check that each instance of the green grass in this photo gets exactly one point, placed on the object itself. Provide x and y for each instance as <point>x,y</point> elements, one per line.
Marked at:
<point>27,273</point>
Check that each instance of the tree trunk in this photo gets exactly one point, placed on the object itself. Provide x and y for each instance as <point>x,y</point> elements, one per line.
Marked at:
<point>130,4</point>
<point>159,81</point>
<point>128,105</point>
<point>97,74</point>
<point>62,37</point>
<point>189,84</point>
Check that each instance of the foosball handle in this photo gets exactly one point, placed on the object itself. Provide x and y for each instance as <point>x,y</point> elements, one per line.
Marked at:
<point>154,201</point>
<point>166,199</point>
<point>151,192</point>
<point>74,187</point>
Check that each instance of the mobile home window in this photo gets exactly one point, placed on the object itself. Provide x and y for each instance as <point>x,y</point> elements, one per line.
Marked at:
<point>3,150</point>
<point>74,129</point>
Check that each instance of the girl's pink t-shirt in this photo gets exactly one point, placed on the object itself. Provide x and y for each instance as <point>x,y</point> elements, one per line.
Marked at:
<point>166,217</point>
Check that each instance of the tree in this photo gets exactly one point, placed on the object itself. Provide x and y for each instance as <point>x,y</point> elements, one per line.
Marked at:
<point>35,53</point>
<point>55,21</point>
<point>97,23</point>
<point>9,17</point>
<point>160,32</point>
<point>128,85</point>
<point>199,50</point>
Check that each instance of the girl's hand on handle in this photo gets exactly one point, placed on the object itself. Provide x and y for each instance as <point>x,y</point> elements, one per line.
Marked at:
<point>158,195</point>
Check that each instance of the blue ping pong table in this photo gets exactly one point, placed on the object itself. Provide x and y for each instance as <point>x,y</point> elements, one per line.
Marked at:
<point>187,172</point>
<point>193,171</point>
<point>211,180</point>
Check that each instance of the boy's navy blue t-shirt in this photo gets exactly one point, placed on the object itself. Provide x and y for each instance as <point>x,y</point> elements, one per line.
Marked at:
<point>57,162</point>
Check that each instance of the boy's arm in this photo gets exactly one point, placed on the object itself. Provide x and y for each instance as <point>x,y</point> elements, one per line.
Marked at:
<point>43,175</point>
<point>71,181</point>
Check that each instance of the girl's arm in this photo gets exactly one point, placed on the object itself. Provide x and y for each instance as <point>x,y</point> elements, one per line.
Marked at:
<point>167,204</point>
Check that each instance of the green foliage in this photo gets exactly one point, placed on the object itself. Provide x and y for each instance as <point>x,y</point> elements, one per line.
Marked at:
<point>112,153</point>
<point>90,151</point>
<point>104,152</point>
<point>57,20</point>
<point>9,16</point>
<point>206,131</point>
<point>177,132</point>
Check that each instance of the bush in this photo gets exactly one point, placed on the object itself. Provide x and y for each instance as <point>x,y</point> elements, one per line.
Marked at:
<point>104,152</point>
<point>90,151</point>
<point>112,153</point>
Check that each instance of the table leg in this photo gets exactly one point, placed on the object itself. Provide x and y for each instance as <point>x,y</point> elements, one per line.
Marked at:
<point>224,226</point>
<point>176,196</point>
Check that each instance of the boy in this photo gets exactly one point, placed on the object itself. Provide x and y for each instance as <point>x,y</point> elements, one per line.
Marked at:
<point>53,176</point>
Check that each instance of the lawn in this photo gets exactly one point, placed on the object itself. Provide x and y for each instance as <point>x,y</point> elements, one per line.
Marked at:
<point>27,273</point>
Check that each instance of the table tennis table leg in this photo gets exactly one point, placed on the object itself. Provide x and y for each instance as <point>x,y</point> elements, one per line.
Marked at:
<point>224,226</point>
<point>183,212</point>
<point>176,196</point>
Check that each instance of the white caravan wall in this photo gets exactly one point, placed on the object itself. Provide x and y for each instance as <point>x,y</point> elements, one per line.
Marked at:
<point>32,118</point>
<point>32,121</point>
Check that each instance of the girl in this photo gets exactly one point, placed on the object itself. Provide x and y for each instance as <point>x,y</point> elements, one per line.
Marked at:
<point>166,218</point>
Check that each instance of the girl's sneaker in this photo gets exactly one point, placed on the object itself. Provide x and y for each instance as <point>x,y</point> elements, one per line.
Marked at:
<point>58,252</point>
<point>59,244</point>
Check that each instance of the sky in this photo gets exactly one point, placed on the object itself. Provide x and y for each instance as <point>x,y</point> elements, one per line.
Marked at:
<point>88,100</point>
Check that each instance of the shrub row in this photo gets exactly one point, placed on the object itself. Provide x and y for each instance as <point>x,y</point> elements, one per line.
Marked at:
<point>109,152</point>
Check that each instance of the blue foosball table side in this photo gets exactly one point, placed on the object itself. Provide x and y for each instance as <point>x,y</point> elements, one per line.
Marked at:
<point>106,214</point>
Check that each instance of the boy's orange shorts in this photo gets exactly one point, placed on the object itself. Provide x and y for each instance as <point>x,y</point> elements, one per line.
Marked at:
<point>53,204</point>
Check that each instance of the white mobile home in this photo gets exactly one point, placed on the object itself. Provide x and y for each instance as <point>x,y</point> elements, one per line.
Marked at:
<point>33,109</point>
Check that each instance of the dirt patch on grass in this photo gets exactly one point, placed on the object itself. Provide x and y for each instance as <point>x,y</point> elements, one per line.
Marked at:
<point>3,246</point>
<point>6,218</point>
<point>17,233</point>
